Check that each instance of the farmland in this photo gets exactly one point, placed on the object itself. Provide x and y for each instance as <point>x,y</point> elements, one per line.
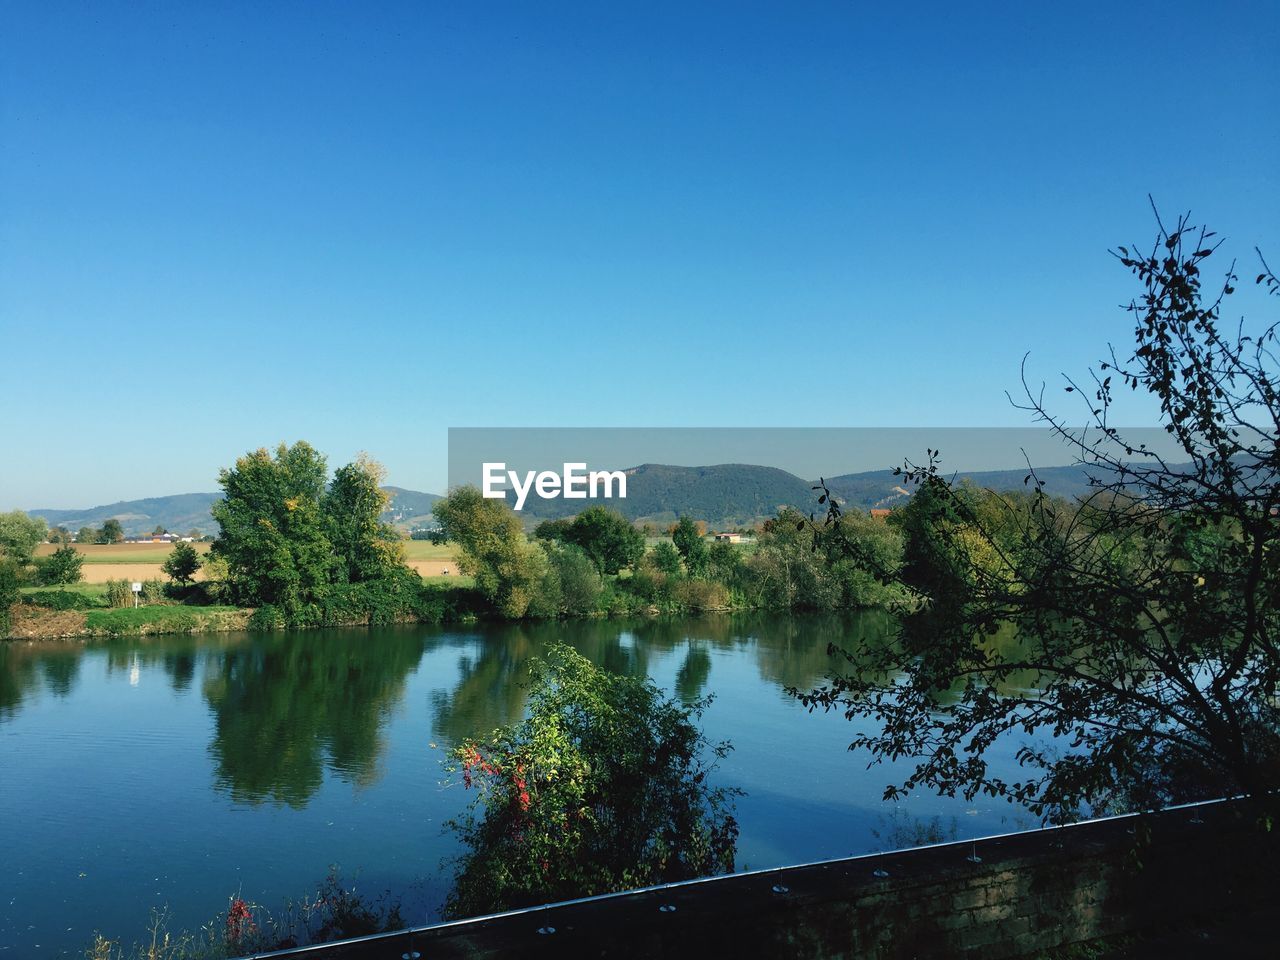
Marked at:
<point>141,561</point>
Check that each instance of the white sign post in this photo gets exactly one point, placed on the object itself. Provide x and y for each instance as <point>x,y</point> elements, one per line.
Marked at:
<point>137,589</point>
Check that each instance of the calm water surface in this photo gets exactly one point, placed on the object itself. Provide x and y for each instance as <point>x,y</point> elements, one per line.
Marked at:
<point>174,772</point>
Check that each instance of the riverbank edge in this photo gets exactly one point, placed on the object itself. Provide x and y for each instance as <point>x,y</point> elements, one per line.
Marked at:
<point>38,624</point>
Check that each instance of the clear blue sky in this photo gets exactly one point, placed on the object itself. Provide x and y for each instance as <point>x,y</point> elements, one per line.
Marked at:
<point>227,225</point>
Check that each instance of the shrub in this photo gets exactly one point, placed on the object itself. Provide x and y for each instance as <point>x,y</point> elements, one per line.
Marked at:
<point>153,591</point>
<point>699,596</point>
<point>119,593</point>
<point>10,581</point>
<point>61,567</point>
<point>267,617</point>
<point>61,600</point>
<point>602,787</point>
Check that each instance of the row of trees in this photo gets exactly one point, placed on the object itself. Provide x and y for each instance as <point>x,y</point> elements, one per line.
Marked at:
<point>596,563</point>
<point>305,548</point>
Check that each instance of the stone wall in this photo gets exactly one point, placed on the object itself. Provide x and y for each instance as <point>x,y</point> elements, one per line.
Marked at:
<point>1173,880</point>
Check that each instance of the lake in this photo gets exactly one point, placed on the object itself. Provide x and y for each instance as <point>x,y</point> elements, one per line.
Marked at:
<point>177,771</point>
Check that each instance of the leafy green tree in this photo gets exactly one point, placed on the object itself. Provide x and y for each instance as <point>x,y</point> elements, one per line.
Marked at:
<point>577,579</point>
<point>366,548</point>
<point>111,532</point>
<point>1142,627</point>
<point>87,535</point>
<point>552,529</point>
<point>159,531</point>
<point>20,534</point>
<point>59,535</point>
<point>607,537</point>
<point>687,537</point>
<point>666,558</point>
<point>272,529</point>
<point>60,567</point>
<point>182,563</point>
<point>509,571</point>
<point>602,787</point>
<point>10,589</point>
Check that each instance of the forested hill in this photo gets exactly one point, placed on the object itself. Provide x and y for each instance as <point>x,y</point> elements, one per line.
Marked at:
<point>737,495</point>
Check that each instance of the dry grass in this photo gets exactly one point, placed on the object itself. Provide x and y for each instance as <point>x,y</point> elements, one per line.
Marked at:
<point>155,553</point>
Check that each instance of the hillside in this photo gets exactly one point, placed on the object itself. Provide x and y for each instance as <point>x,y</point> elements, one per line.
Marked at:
<point>725,495</point>
<point>190,511</point>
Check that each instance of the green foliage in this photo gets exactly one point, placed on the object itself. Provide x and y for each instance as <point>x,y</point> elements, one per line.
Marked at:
<point>606,536</point>
<point>62,600</point>
<point>666,558</point>
<point>60,567</point>
<point>602,787</point>
<point>87,535</point>
<point>119,593</point>
<point>20,535</point>
<point>59,535</point>
<point>271,528</point>
<point>10,586</point>
<point>786,572</point>
<point>509,571</point>
<point>111,532</point>
<point>313,554</point>
<point>367,549</point>
<point>182,563</point>
<point>1138,627</point>
<point>153,591</point>
<point>578,581</point>
<point>687,538</point>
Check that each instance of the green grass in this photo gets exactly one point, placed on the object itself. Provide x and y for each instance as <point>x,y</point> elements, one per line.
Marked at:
<point>94,591</point>
<point>426,550</point>
<point>163,619</point>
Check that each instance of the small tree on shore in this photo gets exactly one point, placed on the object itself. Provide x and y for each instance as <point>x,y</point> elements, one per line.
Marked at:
<point>182,563</point>
<point>61,567</point>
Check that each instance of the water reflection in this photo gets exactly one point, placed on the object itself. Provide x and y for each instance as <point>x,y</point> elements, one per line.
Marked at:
<point>287,707</point>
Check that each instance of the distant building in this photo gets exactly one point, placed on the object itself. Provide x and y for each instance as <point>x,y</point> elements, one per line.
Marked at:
<point>728,537</point>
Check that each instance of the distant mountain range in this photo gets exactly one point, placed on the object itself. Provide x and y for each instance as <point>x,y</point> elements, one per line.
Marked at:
<point>190,511</point>
<point>738,495</point>
<point>724,495</point>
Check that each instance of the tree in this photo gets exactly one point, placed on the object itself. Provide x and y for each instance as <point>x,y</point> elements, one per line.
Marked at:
<point>509,571</point>
<point>61,567</point>
<point>10,590</point>
<point>687,537</point>
<point>182,563</point>
<point>666,558</point>
<point>366,548</point>
<point>87,535</point>
<point>602,787</point>
<point>271,527</point>
<point>1138,628</point>
<point>606,536</point>
<point>159,531</point>
<point>111,532</point>
<point>59,535</point>
<point>20,534</point>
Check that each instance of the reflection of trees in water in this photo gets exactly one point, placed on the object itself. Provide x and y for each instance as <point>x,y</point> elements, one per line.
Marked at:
<point>288,706</point>
<point>790,651</point>
<point>492,686</point>
<point>25,669</point>
<point>18,677</point>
